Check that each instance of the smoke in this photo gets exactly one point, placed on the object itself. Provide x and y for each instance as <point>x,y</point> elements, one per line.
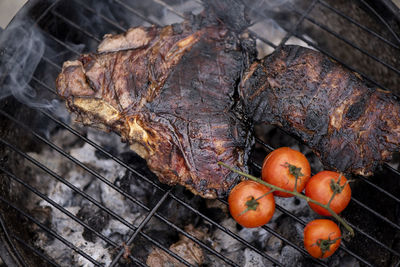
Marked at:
<point>24,45</point>
<point>21,49</point>
<point>26,48</point>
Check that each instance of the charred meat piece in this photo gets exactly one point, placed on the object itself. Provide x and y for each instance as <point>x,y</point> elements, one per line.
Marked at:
<point>351,126</point>
<point>175,95</point>
<point>170,93</point>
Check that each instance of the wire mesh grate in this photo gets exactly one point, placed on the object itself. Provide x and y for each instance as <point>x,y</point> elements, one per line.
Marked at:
<point>168,194</point>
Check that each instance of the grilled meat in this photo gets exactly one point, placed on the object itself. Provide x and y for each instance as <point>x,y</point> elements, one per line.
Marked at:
<point>352,127</point>
<point>180,96</point>
<point>170,93</point>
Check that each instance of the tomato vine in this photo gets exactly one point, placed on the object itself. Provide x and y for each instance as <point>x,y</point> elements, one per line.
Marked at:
<point>294,192</point>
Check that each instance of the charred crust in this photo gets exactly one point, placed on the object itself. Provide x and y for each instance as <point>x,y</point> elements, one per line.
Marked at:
<point>316,121</point>
<point>352,126</point>
<point>177,28</point>
<point>357,109</point>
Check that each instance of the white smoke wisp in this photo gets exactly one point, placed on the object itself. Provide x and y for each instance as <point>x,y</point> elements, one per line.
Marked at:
<point>21,49</point>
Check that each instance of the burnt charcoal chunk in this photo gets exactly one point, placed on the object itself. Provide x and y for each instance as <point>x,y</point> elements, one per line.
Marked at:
<point>96,218</point>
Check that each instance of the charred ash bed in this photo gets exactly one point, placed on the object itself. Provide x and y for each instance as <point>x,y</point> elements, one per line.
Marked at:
<point>76,196</point>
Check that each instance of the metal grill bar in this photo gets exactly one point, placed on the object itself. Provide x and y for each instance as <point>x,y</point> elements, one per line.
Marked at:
<point>169,8</point>
<point>353,226</point>
<point>261,254</point>
<point>10,243</point>
<point>155,242</point>
<point>284,239</point>
<point>79,163</point>
<point>340,61</point>
<point>62,180</point>
<point>90,198</point>
<point>303,251</point>
<point>98,147</point>
<point>396,253</point>
<point>143,177</point>
<point>299,23</point>
<point>325,4</point>
<point>76,26</point>
<point>376,213</point>
<point>303,16</point>
<point>225,230</point>
<point>137,261</point>
<point>51,63</point>
<point>133,11</point>
<point>44,85</point>
<point>112,213</point>
<point>263,39</point>
<point>200,243</point>
<point>379,188</point>
<point>47,10</point>
<point>270,148</point>
<point>51,232</point>
<point>85,195</point>
<point>140,227</point>
<point>34,250</point>
<point>350,43</point>
<point>90,142</point>
<point>295,34</point>
<point>172,196</point>
<point>287,241</point>
<point>60,42</point>
<point>59,207</point>
<point>390,168</point>
<point>88,8</point>
<point>291,215</point>
<point>381,19</point>
<point>63,210</point>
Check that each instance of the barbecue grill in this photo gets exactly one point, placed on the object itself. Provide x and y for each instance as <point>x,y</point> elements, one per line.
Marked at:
<point>29,128</point>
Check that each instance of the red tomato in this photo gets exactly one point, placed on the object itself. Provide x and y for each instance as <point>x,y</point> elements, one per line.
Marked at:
<point>280,166</point>
<point>321,187</point>
<point>321,238</point>
<point>250,205</point>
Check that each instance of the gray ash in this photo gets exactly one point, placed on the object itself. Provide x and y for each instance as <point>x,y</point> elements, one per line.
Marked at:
<point>132,184</point>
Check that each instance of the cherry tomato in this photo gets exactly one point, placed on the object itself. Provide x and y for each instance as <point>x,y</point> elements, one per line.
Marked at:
<point>321,187</point>
<point>250,204</point>
<point>280,167</point>
<point>321,238</point>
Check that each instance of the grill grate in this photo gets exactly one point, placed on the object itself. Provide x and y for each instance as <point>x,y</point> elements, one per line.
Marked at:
<point>167,194</point>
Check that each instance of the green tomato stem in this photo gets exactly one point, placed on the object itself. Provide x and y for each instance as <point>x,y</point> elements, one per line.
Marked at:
<point>325,244</point>
<point>295,171</point>
<point>294,192</point>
